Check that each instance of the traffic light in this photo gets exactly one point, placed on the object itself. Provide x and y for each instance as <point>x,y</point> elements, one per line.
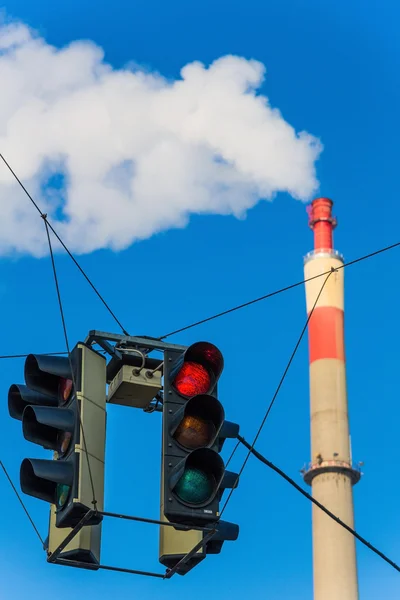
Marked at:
<point>193,475</point>
<point>62,408</point>
<point>193,471</point>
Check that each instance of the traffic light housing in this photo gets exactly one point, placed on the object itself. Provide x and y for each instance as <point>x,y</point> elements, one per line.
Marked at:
<point>62,408</point>
<point>84,547</point>
<point>193,475</point>
<point>175,544</point>
<point>193,471</point>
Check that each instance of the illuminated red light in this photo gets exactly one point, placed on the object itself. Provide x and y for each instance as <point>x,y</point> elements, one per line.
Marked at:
<point>192,379</point>
<point>64,390</point>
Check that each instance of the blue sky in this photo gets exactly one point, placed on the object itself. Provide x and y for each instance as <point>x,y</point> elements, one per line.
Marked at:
<point>332,70</point>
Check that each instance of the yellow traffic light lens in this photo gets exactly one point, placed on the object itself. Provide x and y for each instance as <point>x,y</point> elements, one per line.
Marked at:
<point>62,494</point>
<point>194,432</point>
<point>195,486</point>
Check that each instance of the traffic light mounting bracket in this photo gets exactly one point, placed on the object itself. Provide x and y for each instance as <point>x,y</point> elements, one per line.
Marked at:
<point>54,556</point>
<point>123,342</point>
<point>103,339</point>
<point>122,345</point>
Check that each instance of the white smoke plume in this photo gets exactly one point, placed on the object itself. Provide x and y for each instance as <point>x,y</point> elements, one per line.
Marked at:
<point>113,156</point>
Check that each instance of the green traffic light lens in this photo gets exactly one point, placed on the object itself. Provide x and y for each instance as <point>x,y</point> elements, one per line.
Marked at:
<point>195,486</point>
<point>62,494</point>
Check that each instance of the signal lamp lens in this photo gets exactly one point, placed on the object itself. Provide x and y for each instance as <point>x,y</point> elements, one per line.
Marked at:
<point>64,390</point>
<point>194,432</point>
<point>63,442</point>
<point>62,494</point>
<point>195,486</point>
<point>192,379</point>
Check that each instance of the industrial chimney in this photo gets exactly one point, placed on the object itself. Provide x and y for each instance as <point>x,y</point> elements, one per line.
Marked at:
<point>330,473</point>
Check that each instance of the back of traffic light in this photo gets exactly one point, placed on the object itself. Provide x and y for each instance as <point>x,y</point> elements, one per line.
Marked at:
<point>193,472</point>
<point>62,408</point>
<point>84,547</point>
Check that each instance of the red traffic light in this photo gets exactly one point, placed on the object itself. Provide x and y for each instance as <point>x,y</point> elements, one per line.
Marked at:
<point>199,370</point>
<point>192,379</point>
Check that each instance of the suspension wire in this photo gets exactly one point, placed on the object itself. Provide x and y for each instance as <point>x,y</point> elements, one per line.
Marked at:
<point>25,355</point>
<point>266,296</point>
<point>42,353</point>
<point>94,501</point>
<point>269,464</point>
<point>21,502</point>
<point>65,247</point>
<point>289,287</point>
<point>232,454</point>
<point>278,388</point>
<point>280,291</point>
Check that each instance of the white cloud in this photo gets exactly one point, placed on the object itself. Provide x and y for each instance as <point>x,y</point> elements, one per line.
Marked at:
<point>138,153</point>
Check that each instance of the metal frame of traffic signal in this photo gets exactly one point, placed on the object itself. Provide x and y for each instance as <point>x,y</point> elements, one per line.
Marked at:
<point>143,344</point>
<point>54,557</point>
<point>147,344</point>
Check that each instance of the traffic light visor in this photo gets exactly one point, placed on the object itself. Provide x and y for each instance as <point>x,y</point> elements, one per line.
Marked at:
<point>41,478</point>
<point>49,427</point>
<point>43,373</point>
<point>20,396</point>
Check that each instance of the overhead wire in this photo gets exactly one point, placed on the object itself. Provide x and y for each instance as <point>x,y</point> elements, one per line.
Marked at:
<point>25,355</point>
<point>277,389</point>
<point>276,292</point>
<point>255,300</point>
<point>43,353</point>
<point>65,247</point>
<point>232,454</point>
<point>21,502</point>
<point>269,464</point>
<point>64,326</point>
